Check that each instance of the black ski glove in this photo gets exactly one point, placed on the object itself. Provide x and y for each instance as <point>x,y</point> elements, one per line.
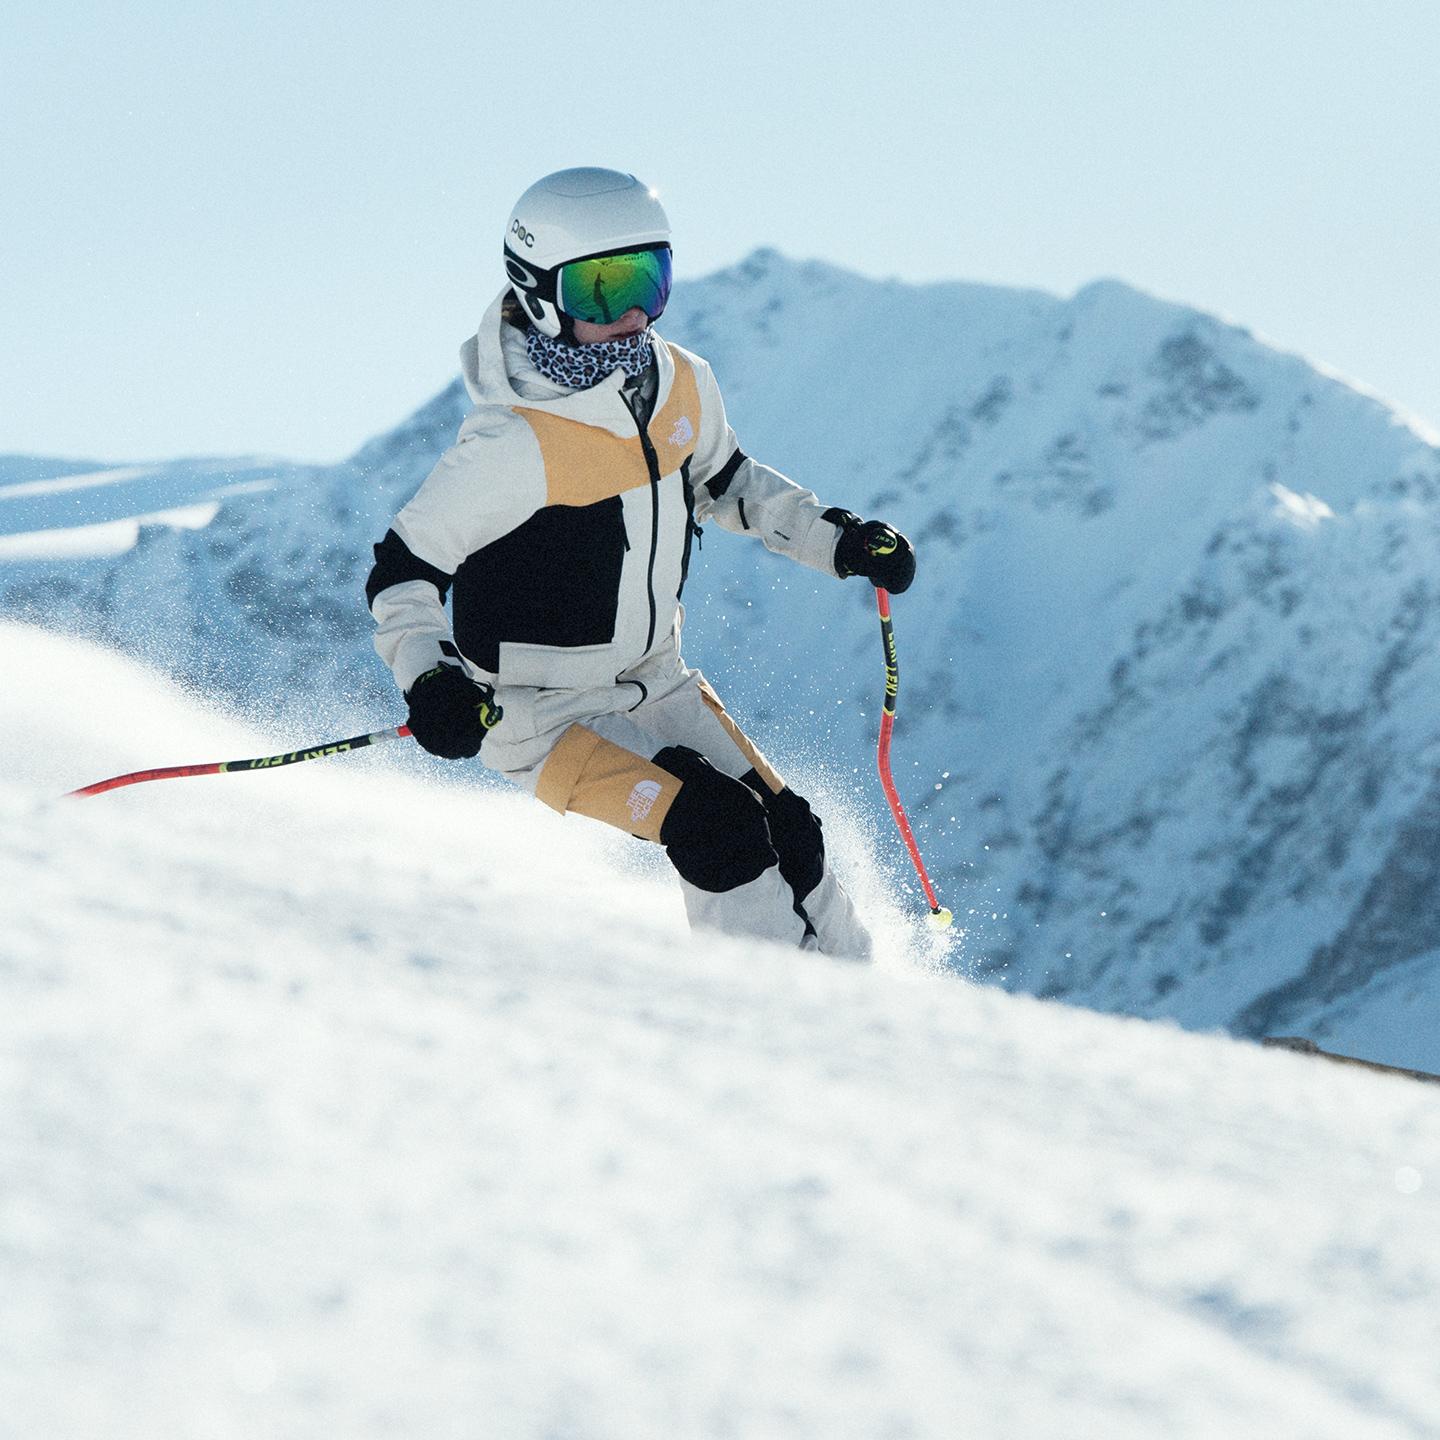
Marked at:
<point>450,714</point>
<point>873,549</point>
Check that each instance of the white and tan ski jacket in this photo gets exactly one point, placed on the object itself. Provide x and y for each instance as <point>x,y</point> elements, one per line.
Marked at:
<point>562,529</point>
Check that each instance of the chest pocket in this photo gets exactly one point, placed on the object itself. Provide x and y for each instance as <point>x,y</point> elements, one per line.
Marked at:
<point>555,580</point>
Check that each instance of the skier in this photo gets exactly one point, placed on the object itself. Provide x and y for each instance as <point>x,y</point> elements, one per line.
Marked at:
<point>560,523</point>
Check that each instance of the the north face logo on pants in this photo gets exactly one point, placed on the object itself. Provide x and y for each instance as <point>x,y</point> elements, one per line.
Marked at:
<point>642,799</point>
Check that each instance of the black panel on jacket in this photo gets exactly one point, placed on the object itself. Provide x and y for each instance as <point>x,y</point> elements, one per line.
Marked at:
<point>555,580</point>
<point>397,564</point>
<point>719,482</point>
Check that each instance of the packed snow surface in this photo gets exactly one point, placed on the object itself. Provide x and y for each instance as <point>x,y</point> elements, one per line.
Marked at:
<point>340,1102</point>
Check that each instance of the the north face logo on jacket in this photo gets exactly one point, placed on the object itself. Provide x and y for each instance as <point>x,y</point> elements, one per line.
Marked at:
<point>683,433</point>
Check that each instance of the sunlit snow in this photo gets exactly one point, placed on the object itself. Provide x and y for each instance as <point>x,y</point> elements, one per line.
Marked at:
<point>336,1103</point>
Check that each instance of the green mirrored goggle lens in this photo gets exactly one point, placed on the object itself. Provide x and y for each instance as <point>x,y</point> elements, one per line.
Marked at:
<point>601,290</point>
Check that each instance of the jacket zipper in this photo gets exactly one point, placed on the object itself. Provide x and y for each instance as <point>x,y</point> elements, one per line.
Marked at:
<point>652,464</point>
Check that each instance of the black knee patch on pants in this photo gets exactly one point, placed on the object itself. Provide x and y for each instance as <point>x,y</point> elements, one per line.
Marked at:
<point>795,834</point>
<point>715,834</point>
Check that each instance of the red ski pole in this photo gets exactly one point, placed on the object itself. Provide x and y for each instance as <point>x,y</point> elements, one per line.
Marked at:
<point>226,767</point>
<point>940,917</point>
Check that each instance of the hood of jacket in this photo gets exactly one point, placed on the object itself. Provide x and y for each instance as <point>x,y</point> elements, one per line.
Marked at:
<point>498,372</point>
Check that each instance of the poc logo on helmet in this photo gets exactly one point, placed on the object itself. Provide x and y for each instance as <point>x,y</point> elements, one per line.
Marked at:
<point>524,236</point>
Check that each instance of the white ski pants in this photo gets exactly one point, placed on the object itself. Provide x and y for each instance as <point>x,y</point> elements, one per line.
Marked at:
<point>677,769</point>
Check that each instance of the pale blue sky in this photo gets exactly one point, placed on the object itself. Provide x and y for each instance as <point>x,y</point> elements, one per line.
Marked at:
<point>267,227</point>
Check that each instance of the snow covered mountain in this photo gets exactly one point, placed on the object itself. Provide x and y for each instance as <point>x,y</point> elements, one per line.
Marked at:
<point>323,1115</point>
<point>1165,720</point>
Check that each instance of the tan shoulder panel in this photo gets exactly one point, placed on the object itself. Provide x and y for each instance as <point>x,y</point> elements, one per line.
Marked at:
<point>675,426</point>
<point>583,463</point>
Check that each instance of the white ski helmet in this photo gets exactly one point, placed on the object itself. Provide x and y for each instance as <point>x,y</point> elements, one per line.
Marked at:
<point>574,215</point>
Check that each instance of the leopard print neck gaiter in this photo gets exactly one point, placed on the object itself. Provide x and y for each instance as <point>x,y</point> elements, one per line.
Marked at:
<point>578,367</point>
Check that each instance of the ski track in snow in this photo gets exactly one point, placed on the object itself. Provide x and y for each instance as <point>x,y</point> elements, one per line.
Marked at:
<point>338,1103</point>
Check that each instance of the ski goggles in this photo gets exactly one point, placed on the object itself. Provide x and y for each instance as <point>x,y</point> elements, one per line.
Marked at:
<point>602,288</point>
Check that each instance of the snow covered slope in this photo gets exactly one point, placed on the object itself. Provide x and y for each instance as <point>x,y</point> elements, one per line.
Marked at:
<point>1166,725</point>
<point>324,1113</point>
